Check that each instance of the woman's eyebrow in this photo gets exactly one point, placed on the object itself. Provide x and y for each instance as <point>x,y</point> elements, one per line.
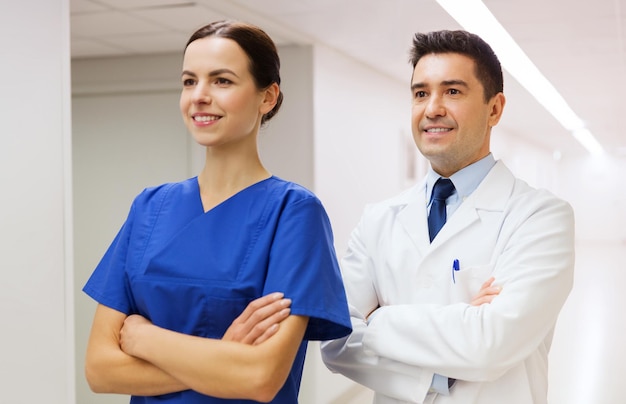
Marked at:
<point>212,73</point>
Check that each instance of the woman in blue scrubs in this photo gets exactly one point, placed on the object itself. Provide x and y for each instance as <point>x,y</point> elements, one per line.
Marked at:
<point>213,285</point>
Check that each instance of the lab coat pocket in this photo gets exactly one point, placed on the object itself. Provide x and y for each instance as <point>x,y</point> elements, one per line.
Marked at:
<point>466,282</point>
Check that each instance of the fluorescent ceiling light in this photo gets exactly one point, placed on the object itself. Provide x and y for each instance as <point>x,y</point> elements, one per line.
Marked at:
<point>475,17</point>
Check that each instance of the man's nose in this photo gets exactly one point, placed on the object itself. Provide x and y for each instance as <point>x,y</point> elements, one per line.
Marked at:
<point>435,107</point>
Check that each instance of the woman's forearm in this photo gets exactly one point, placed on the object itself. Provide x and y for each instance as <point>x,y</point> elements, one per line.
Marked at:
<point>221,368</point>
<point>110,370</point>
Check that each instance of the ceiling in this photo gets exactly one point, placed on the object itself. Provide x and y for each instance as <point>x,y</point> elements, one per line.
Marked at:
<point>579,46</point>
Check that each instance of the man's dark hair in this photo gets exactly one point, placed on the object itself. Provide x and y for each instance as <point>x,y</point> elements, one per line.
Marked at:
<point>487,66</point>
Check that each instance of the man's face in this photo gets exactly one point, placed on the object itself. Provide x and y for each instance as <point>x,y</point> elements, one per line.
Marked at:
<point>450,120</point>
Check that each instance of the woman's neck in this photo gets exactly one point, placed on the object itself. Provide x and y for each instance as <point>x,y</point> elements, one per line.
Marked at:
<point>224,176</point>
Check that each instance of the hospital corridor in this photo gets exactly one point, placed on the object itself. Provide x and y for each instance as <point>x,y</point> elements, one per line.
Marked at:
<point>91,117</point>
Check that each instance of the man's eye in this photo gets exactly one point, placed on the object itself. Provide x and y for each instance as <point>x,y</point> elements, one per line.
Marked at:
<point>454,91</point>
<point>420,94</point>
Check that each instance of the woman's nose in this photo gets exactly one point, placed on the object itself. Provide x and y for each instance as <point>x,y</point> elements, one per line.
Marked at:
<point>201,94</point>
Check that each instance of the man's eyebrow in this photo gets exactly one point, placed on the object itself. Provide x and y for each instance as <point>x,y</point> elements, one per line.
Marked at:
<point>416,86</point>
<point>454,83</point>
<point>445,83</point>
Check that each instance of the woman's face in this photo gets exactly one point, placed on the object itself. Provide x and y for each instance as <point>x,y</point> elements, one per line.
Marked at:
<point>220,102</point>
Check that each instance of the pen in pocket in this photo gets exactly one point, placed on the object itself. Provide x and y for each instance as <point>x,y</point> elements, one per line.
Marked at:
<point>455,267</point>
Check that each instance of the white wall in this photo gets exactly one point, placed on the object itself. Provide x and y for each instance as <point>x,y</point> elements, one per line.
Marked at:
<point>36,346</point>
<point>596,188</point>
<point>363,145</point>
<point>286,144</point>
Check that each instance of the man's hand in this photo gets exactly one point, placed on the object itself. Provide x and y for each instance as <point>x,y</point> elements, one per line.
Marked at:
<point>260,320</point>
<point>486,293</point>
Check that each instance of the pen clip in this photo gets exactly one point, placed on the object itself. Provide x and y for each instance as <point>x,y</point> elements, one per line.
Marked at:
<point>455,267</point>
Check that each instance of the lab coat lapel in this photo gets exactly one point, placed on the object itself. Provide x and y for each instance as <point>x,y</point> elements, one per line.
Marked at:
<point>413,218</point>
<point>462,218</point>
<point>491,195</point>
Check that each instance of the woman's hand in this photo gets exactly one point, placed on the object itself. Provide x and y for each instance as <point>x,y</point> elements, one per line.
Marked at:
<point>131,333</point>
<point>260,320</point>
<point>486,293</point>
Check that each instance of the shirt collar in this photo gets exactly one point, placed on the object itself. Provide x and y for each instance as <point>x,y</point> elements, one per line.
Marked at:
<point>465,180</point>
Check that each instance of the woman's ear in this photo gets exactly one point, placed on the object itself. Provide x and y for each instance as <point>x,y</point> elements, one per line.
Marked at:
<point>270,98</point>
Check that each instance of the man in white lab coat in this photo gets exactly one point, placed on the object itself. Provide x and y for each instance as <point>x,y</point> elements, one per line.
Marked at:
<point>431,325</point>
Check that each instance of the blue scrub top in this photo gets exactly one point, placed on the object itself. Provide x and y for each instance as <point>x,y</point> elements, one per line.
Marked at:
<point>194,272</point>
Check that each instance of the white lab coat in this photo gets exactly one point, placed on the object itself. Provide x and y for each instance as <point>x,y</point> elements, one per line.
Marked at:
<point>498,352</point>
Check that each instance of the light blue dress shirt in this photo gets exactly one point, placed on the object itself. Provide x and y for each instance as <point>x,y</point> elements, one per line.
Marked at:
<point>465,182</point>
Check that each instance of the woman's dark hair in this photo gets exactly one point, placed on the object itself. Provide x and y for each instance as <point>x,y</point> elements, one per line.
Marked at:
<point>487,66</point>
<point>261,51</point>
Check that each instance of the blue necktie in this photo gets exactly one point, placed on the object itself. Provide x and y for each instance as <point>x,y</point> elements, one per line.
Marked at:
<point>442,189</point>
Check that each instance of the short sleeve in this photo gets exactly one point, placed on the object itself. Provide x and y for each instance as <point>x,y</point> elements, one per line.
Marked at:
<point>303,265</point>
<point>108,284</point>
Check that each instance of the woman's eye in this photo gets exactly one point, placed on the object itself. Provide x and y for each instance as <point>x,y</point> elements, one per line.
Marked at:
<point>188,82</point>
<point>222,81</point>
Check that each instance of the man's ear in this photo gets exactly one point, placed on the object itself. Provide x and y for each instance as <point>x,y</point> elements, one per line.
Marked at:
<point>497,106</point>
